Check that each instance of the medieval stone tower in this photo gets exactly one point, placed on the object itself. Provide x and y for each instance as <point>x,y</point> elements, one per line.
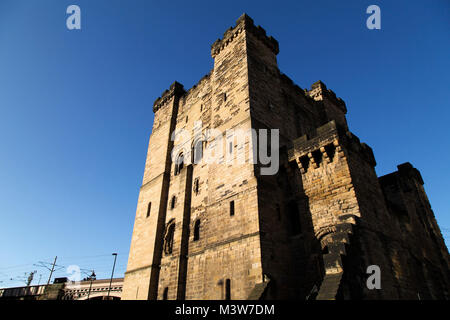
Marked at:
<point>310,231</point>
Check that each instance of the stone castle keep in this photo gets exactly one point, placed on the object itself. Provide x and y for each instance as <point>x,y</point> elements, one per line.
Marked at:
<point>219,231</point>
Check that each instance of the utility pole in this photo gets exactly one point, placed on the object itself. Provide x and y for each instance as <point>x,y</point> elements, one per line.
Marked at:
<point>112,274</point>
<point>51,272</point>
<point>53,268</point>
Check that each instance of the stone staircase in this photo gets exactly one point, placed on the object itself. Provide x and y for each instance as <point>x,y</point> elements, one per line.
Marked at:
<point>334,268</point>
<point>259,290</point>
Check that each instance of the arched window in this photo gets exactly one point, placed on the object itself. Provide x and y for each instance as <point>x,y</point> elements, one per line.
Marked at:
<point>197,230</point>
<point>149,207</point>
<point>179,163</point>
<point>197,152</point>
<point>166,293</point>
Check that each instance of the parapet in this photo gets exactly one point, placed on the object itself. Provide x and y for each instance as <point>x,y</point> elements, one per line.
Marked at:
<point>244,23</point>
<point>176,89</point>
<point>329,137</point>
<point>319,91</point>
<point>284,78</point>
<point>405,171</point>
<point>199,83</point>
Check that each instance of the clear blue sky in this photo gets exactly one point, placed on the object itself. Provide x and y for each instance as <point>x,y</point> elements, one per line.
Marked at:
<point>76,106</point>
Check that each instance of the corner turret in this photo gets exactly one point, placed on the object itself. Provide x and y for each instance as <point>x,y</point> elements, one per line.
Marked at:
<point>244,23</point>
<point>176,90</point>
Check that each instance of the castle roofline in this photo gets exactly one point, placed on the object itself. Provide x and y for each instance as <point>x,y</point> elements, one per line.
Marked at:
<point>327,134</point>
<point>244,23</point>
<point>319,91</point>
<point>404,170</point>
<point>176,88</point>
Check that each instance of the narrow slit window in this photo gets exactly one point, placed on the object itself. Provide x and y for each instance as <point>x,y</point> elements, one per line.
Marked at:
<point>197,230</point>
<point>228,289</point>
<point>232,208</point>
<point>168,237</point>
<point>196,186</point>
<point>172,202</point>
<point>166,293</point>
<point>149,208</point>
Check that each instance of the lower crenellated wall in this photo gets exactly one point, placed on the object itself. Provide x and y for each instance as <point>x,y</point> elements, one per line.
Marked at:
<point>356,221</point>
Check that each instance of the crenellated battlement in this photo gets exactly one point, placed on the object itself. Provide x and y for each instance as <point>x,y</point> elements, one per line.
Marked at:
<point>176,88</point>
<point>206,77</point>
<point>319,91</point>
<point>244,23</point>
<point>402,177</point>
<point>322,145</point>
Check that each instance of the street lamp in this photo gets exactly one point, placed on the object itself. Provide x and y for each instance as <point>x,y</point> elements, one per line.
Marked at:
<point>112,274</point>
<point>92,277</point>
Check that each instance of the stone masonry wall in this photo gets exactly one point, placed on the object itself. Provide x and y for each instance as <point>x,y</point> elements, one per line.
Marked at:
<point>307,232</point>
